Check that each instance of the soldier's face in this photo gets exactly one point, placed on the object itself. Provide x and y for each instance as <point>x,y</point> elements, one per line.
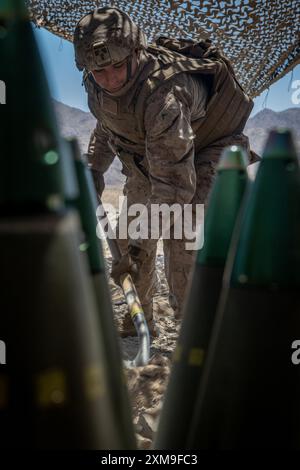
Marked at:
<point>113,77</point>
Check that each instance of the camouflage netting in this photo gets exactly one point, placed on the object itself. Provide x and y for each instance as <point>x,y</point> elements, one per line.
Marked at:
<point>261,37</point>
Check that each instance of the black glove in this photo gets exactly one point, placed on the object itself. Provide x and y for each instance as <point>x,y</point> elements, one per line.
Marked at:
<point>129,263</point>
<point>123,266</point>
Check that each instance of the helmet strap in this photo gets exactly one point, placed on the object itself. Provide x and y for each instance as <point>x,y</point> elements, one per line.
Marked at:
<point>129,68</point>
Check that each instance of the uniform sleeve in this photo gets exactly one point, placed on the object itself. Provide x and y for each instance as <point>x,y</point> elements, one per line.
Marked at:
<point>100,156</point>
<point>170,146</point>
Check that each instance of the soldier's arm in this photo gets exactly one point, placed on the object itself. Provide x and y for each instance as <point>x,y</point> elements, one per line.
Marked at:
<point>170,144</point>
<point>170,139</point>
<point>100,156</point>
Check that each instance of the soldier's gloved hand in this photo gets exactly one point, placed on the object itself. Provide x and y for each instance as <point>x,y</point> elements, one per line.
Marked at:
<point>129,263</point>
<point>124,265</point>
<point>137,254</point>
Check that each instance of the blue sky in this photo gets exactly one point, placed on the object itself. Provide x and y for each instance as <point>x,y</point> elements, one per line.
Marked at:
<point>65,79</point>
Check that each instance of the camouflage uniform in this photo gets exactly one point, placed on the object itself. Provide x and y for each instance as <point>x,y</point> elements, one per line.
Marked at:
<point>165,157</point>
<point>170,173</point>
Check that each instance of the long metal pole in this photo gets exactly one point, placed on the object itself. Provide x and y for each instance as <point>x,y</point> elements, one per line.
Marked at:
<point>134,305</point>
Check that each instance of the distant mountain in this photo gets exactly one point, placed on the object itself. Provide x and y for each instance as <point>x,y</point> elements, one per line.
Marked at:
<point>268,118</point>
<point>257,127</point>
<point>74,122</point>
<point>78,123</point>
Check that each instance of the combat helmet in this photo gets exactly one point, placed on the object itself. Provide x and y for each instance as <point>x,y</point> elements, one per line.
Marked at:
<point>106,36</point>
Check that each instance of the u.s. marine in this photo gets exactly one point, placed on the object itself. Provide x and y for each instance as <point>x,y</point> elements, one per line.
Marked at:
<point>167,110</point>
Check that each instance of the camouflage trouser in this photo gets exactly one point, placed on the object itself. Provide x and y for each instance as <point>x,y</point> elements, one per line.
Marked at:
<point>178,261</point>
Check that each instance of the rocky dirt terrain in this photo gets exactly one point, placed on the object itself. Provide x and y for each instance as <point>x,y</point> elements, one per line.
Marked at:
<point>147,384</point>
